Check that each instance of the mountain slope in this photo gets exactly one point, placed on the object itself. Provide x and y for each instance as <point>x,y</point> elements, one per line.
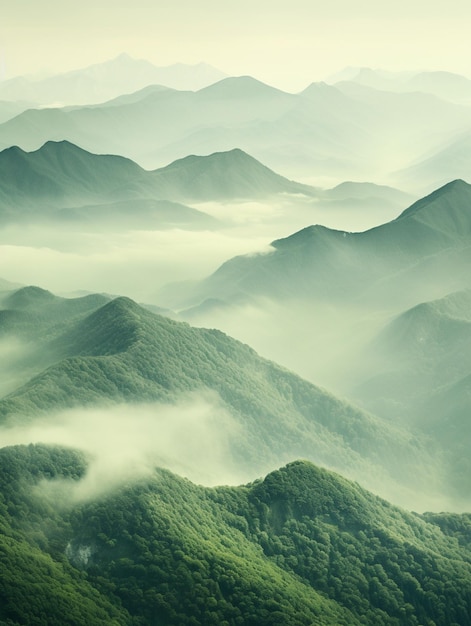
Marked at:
<point>302,546</point>
<point>224,175</point>
<point>418,369</point>
<point>422,351</point>
<point>121,353</point>
<point>449,160</point>
<point>323,263</point>
<point>62,174</point>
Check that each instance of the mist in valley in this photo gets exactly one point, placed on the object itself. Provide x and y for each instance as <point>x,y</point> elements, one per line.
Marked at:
<point>99,257</point>
<point>124,443</point>
<point>235,328</point>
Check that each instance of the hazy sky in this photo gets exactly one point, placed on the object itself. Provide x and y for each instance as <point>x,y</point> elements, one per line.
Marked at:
<point>288,44</point>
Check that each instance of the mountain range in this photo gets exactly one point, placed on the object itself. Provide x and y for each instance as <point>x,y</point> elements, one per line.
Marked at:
<point>445,85</point>
<point>337,131</point>
<point>336,295</point>
<point>62,176</point>
<point>423,242</point>
<point>157,472</point>
<point>107,80</point>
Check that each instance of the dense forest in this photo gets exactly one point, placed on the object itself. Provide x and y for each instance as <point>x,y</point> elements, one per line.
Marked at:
<point>301,546</point>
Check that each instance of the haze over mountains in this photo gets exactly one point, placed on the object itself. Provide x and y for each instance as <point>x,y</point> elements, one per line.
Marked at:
<point>104,81</point>
<point>337,132</point>
<point>323,263</point>
<point>332,291</point>
<point>165,186</point>
<point>83,353</point>
<point>444,85</point>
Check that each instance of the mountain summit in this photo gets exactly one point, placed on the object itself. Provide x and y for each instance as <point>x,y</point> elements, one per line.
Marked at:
<point>223,175</point>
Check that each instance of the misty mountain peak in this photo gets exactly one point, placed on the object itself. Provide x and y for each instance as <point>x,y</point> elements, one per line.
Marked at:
<point>308,236</point>
<point>29,297</point>
<point>453,200</point>
<point>229,174</point>
<point>121,306</point>
<point>241,86</point>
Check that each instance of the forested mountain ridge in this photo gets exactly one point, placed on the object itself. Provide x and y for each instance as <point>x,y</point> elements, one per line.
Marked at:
<point>302,546</point>
<point>122,353</point>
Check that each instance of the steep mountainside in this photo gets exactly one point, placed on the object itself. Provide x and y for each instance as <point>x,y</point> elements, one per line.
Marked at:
<point>303,546</point>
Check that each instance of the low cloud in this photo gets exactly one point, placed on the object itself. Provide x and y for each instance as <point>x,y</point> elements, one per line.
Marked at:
<point>13,356</point>
<point>137,263</point>
<point>126,442</point>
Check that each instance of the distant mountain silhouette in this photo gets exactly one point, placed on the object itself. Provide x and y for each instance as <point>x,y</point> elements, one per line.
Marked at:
<point>223,175</point>
<point>63,180</point>
<point>107,80</point>
<point>451,160</point>
<point>338,131</point>
<point>445,85</point>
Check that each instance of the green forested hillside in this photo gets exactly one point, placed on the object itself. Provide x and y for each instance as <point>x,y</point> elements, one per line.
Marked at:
<point>302,546</point>
<point>122,353</point>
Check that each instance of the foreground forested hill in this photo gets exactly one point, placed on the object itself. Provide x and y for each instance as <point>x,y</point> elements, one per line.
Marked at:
<point>302,546</point>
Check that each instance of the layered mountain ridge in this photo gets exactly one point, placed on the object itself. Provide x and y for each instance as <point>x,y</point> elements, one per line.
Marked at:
<point>323,131</point>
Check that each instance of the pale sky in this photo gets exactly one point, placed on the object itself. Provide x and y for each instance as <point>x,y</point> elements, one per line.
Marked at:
<point>287,44</point>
